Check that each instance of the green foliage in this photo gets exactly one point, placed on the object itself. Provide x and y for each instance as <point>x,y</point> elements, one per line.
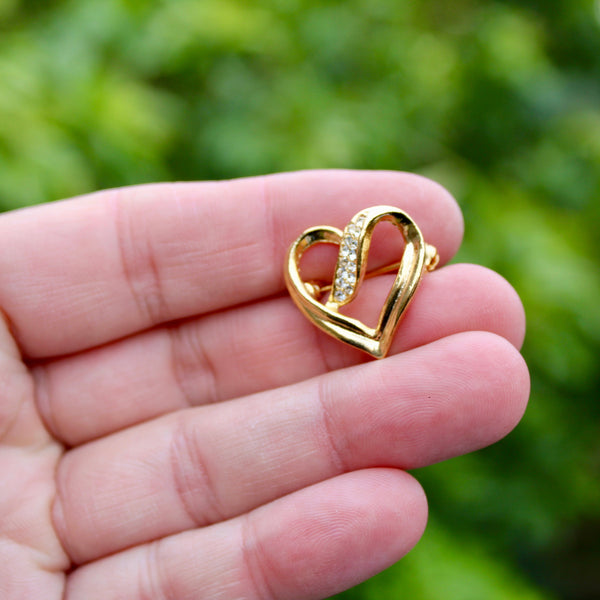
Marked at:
<point>498,100</point>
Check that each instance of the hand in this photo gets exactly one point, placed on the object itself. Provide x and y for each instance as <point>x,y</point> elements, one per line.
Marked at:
<point>171,427</point>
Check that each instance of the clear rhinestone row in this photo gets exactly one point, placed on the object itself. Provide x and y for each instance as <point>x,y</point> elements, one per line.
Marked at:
<point>346,272</point>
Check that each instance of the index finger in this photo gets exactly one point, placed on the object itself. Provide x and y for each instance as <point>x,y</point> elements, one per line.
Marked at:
<point>80,273</point>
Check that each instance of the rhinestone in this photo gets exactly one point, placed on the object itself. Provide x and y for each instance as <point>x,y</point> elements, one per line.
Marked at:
<point>353,230</point>
<point>339,296</point>
<point>350,243</point>
<point>348,254</point>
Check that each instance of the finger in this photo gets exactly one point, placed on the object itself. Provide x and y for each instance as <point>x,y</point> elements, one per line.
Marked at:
<point>212,463</point>
<point>314,543</point>
<point>81,273</point>
<point>251,349</point>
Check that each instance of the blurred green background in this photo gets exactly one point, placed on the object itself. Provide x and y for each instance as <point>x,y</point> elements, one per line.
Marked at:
<point>499,101</point>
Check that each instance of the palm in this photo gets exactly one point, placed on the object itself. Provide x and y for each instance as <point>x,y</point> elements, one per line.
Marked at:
<point>177,430</point>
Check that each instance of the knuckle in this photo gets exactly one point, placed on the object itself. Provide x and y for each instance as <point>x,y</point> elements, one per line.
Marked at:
<point>138,260</point>
<point>192,478</point>
<point>193,368</point>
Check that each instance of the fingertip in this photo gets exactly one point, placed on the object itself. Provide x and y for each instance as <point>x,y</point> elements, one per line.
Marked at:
<point>447,398</point>
<point>500,367</point>
<point>436,211</point>
<point>503,300</point>
<point>518,383</point>
<point>335,193</point>
<point>338,533</point>
<point>415,511</point>
<point>449,220</point>
<point>486,300</point>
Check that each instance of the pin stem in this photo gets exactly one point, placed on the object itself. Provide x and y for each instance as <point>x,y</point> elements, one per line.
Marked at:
<point>431,261</point>
<point>319,289</point>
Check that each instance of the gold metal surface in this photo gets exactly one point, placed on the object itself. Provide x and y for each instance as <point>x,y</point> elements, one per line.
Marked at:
<point>354,243</point>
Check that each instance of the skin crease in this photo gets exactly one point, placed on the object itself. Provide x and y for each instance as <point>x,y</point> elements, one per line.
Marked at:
<point>171,426</point>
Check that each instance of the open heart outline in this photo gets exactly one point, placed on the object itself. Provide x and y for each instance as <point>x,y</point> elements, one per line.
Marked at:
<point>417,256</point>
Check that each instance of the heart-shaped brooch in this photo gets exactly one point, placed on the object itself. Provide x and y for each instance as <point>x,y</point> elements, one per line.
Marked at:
<point>350,271</point>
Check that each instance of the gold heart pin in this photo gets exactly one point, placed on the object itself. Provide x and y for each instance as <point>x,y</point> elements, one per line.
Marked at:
<point>350,271</point>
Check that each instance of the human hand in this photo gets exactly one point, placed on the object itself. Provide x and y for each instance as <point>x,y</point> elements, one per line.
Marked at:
<point>171,427</point>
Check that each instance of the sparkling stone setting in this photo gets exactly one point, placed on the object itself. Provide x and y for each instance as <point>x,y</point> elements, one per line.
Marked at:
<point>346,277</point>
